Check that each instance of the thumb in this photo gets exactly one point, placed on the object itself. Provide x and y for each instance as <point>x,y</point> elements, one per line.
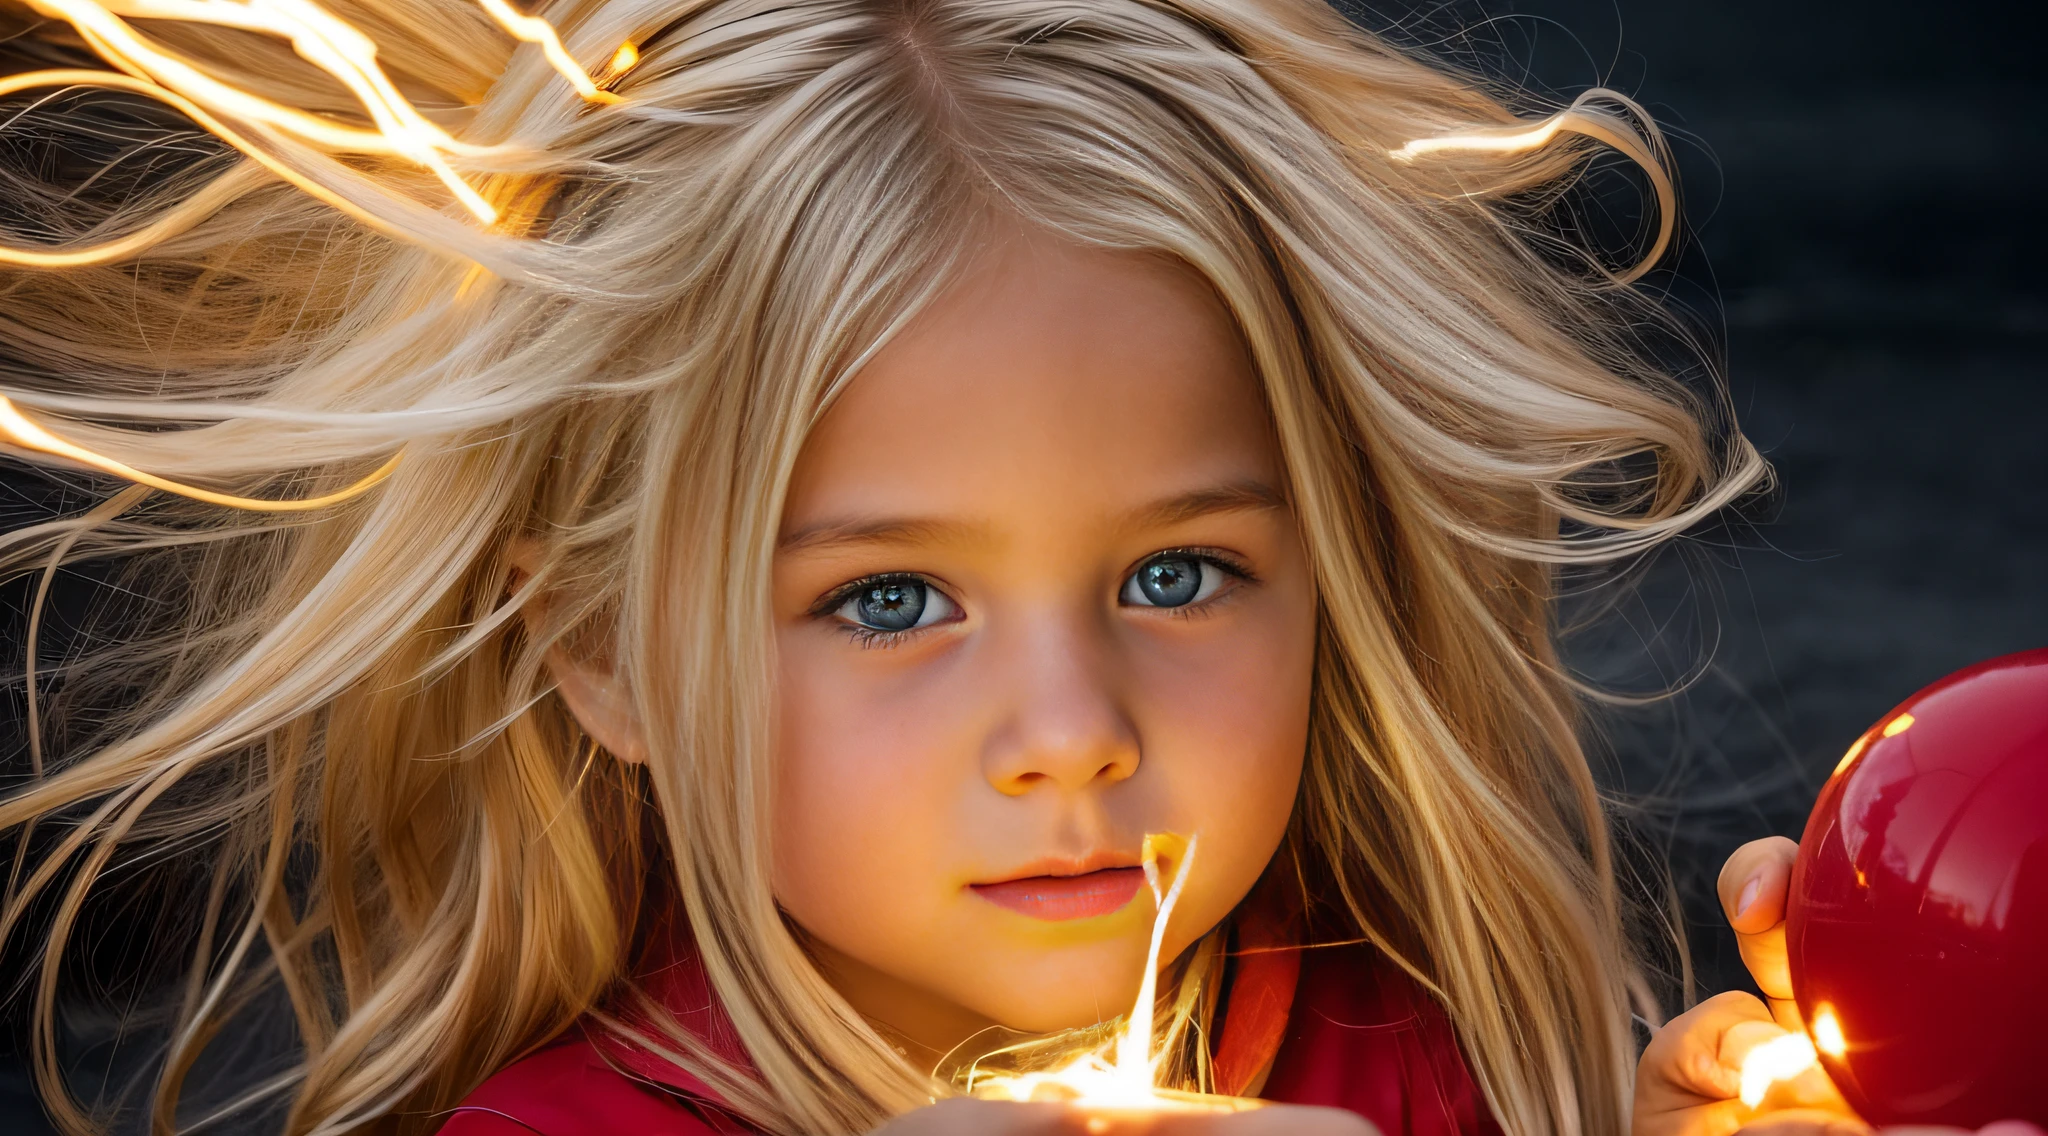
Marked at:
<point>1754,886</point>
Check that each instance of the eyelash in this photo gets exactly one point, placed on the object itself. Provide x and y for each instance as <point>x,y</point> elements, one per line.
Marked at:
<point>877,639</point>
<point>869,639</point>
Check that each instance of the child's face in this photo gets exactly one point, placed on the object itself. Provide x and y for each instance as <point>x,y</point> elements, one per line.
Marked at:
<point>1038,594</point>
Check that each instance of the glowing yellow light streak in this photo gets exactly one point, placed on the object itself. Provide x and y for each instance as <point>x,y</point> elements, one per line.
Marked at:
<point>121,247</point>
<point>17,428</point>
<point>1574,119</point>
<point>1898,725</point>
<point>326,41</point>
<point>319,37</point>
<point>1134,1060</point>
<point>1779,1059</point>
<point>1512,140</point>
<point>178,219</point>
<point>1124,1078</point>
<point>535,30</point>
<point>316,35</point>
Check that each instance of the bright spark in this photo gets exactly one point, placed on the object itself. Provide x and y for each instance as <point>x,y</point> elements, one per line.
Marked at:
<point>1779,1059</point>
<point>1827,1032</point>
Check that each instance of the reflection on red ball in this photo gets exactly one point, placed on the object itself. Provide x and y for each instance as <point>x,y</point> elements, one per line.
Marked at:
<point>1918,925</point>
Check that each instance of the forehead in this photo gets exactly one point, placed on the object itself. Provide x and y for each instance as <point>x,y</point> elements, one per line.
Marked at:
<point>1051,376</point>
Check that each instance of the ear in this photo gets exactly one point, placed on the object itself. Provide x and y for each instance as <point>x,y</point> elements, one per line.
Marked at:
<point>592,688</point>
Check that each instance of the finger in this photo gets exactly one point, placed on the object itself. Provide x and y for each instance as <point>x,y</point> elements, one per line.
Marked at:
<point>1805,1122</point>
<point>1770,965</point>
<point>1811,1089</point>
<point>1686,1063</point>
<point>1721,1118</point>
<point>1740,1038</point>
<point>1754,883</point>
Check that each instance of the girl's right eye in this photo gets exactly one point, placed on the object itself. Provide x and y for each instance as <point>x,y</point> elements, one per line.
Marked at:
<point>892,604</point>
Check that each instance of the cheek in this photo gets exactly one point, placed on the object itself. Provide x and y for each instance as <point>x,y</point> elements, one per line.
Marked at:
<point>860,797</point>
<point>1227,728</point>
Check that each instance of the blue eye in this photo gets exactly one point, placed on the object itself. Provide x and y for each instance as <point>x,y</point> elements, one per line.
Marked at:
<point>897,603</point>
<point>1172,579</point>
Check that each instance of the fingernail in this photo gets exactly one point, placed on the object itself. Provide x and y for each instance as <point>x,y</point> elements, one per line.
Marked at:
<point>1748,895</point>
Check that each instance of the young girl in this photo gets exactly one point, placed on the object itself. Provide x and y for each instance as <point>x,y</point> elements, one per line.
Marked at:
<point>696,577</point>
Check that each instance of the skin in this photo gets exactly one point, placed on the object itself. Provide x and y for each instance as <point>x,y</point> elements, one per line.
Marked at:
<point>1060,417</point>
<point>1034,438</point>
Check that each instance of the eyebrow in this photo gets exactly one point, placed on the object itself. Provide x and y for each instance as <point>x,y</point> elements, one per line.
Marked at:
<point>1232,497</point>
<point>873,530</point>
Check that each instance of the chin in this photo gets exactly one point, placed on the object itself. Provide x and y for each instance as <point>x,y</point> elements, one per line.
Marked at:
<point>1081,993</point>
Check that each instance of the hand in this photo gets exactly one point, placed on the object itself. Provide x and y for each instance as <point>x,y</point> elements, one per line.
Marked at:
<point>965,1116</point>
<point>1688,1080</point>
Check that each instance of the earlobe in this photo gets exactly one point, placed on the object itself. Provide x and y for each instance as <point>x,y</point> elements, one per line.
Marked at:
<point>595,693</point>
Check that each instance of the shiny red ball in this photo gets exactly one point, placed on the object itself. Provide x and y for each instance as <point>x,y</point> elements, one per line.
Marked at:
<point>1918,924</point>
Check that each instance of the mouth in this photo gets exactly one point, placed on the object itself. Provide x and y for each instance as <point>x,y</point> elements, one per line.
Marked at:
<point>1057,898</point>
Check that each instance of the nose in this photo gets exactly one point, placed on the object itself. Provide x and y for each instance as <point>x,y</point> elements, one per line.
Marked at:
<point>1064,723</point>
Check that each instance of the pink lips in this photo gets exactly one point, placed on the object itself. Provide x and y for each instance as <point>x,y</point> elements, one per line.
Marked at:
<point>1057,898</point>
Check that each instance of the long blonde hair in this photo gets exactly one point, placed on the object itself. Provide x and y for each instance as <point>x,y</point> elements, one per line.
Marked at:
<point>413,838</point>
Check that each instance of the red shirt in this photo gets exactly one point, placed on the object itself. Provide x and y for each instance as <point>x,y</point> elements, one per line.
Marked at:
<point>1341,1026</point>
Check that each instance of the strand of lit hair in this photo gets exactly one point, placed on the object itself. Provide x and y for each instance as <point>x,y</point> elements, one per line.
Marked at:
<point>17,428</point>
<point>1574,119</point>
<point>322,39</point>
<point>318,36</point>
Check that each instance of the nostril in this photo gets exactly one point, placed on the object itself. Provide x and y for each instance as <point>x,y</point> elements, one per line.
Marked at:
<point>1023,783</point>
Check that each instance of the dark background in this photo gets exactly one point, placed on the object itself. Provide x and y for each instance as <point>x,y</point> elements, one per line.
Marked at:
<point>1861,186</point>
<point>1861,182</point>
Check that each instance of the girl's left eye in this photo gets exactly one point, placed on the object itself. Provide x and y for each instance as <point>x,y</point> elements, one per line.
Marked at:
<point>1174,579</point>
<point>895,603</point>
